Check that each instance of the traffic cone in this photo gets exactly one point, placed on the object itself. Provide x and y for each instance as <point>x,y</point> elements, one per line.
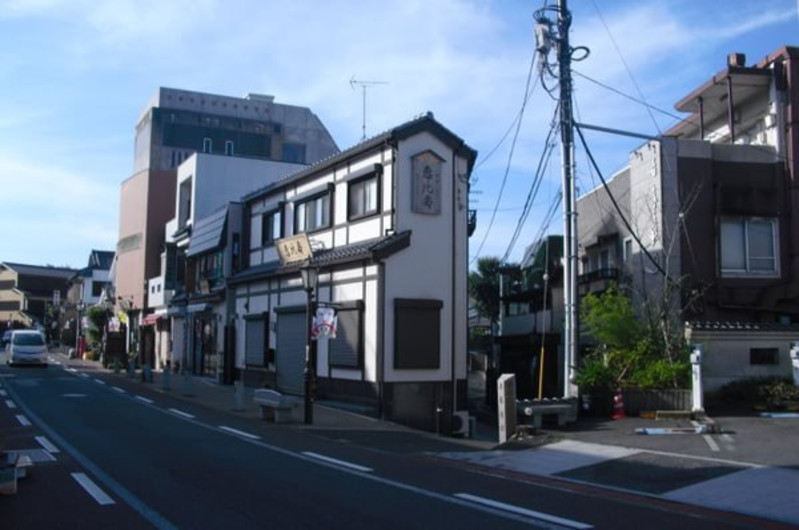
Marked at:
<point>618,406</point>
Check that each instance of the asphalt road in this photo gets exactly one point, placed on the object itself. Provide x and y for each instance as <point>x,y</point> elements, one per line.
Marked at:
<point>129,459</point>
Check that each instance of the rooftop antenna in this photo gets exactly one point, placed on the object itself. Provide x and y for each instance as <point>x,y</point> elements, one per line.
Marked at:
<point>364,85</point>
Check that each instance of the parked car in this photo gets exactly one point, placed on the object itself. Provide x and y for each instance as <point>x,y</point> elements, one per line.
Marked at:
<point>26,347</point>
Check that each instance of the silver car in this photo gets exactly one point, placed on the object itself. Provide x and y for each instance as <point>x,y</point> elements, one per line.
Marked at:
<point>26,347</point>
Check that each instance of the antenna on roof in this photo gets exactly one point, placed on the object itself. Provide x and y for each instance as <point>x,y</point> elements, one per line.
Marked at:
<point>364,85</point>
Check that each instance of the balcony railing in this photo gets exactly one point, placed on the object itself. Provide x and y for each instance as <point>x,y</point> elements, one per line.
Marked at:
<point>599,274</point>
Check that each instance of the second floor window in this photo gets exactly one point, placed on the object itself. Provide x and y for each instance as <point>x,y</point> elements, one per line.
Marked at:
<point>748,246</point>
<point>362,197</point>
<point>228,148</point>
<point>208,145</point>
<point>313,213</point>
<point>271,228</point>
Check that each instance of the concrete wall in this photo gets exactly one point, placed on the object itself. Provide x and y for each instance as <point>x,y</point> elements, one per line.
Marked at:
<point>726,355</point>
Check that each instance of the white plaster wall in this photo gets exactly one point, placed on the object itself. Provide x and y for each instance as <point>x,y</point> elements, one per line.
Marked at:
<point>725,356</point>
<point>427,268</point>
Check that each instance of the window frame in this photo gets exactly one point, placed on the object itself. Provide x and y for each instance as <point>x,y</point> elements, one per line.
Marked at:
<point>764,356</point>
<point>748,271</point>
<point>208,145</point>
<point>362,181</point>
<point>268,237</point>
<point>417,340</point>
<point>328,222</point>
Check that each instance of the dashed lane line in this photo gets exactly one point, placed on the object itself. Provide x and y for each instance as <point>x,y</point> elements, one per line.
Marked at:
<point>93,489</point>
<point>182,414</point>
<point>337,462</point>
<point>144,399</point>
<point>237,432</point>
<point>25,422</point>
<point>47,444</point>
<point>10,404</point>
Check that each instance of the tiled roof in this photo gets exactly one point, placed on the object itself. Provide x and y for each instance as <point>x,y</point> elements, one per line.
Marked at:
<point>734,325</point>
<point>38,270</point>
<point>372,249</point>
<point>425,122</point>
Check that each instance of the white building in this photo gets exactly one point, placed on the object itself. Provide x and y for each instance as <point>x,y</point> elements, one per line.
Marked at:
<point>388,224</point>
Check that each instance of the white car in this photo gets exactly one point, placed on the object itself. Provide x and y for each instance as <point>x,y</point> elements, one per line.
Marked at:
<point>26,347</point>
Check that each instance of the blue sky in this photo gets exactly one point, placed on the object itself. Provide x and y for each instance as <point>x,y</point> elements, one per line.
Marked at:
<point>75,74</point>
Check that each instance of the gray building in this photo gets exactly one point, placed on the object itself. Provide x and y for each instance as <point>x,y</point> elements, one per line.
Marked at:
<point>174,125</point>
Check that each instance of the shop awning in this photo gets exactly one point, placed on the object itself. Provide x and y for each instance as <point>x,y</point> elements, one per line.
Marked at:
<point>149,320</point>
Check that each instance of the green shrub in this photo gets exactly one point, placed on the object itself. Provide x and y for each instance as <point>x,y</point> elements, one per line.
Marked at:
<point>662,373</point>
<point>595,373</point>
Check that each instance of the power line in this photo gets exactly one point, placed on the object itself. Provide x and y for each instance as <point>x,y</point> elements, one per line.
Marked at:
<point>618,209</point>
<point>543,161</point>
<point>527,92</point>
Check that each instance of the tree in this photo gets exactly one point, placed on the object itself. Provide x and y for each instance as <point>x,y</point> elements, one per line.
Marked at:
<point>484,288</point>
<point>630,352</point>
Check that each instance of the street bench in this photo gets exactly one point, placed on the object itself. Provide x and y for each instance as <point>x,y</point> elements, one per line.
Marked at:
<point>566,411</point>
<point>276,407</point>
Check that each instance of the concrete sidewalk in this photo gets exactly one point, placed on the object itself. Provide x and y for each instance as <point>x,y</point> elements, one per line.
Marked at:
<point>758,490</point>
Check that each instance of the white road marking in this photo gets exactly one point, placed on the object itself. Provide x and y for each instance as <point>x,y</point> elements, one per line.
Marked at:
<point>341,463</point>
<point>117,389</point>
<point>711,442</point>
<point>3,393</point>
<point>10,404</point>
<point>47,444</point>
<point>73,395</point>
<point>539,516</point>
<point>239,433</point>
<point>84,375</point>
<point>93,489</point>
<point>99,381</point>
<point>144,399</point>
<point>181,413</point>
<point>23,420</point>
<point>708,438</point>
<point>71,370</point>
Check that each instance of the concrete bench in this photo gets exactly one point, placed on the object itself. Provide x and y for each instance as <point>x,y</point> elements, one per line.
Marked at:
<point>275,406</point>
<point>566,411</point>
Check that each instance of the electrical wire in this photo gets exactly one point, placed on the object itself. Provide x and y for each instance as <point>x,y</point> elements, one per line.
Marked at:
<point>618,209</point>
<point>549,146</point>
<point>527,91</point>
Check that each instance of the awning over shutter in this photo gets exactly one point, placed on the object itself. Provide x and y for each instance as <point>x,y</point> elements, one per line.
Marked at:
<point>207,233</point>
<point>149,320</point>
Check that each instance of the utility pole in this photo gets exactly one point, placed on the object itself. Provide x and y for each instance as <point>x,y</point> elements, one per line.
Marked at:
<point>569,200</point>
<point>364,84</point>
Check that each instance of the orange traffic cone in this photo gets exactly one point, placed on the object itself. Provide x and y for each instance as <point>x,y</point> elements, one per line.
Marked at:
<point>618,406</point>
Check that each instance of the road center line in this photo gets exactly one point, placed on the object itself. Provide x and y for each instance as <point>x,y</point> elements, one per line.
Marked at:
<point>341,463</point>
<point>239,433</point>
<point>25,422</point>
<point>3,393</point>
<point>117,389</point>
<point>10,404</point>
<point>144,399</point>
<point>181,413</point>
<point>84,375</point>
<point>539,516</point>
<point>99,381</point>
<point>93,489</point>
<point>47,444</point>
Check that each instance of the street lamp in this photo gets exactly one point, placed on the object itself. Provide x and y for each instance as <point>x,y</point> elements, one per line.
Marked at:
<point>310,277</point>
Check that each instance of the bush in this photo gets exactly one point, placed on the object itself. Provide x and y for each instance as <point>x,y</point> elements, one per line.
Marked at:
<point>596,374</point>
<point>662,373</point>
<point>773,392</point>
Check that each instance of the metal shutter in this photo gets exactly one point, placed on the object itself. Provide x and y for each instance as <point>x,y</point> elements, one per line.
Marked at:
<point>290,352</point>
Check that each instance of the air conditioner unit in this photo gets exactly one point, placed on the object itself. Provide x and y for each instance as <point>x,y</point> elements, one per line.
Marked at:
<point>460,423</point>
